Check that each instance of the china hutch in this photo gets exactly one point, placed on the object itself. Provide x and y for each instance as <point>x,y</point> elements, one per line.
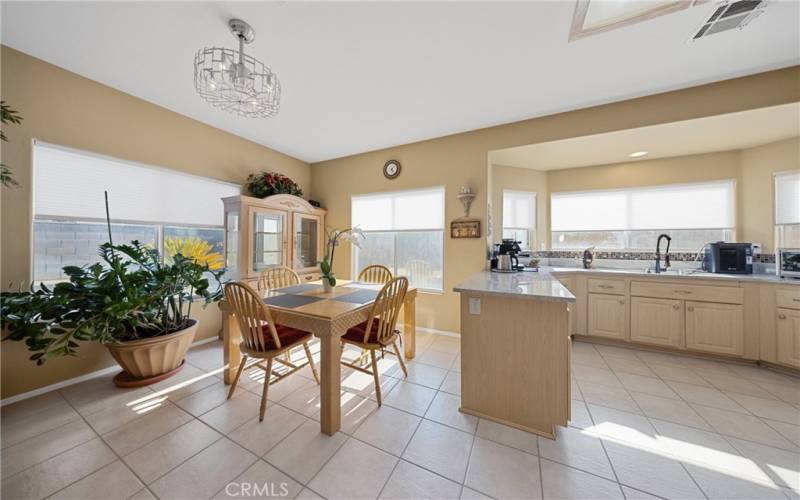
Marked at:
<point>279,230</point>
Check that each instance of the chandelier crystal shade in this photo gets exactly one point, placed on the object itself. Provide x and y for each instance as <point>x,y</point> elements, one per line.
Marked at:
<point>234,81</point>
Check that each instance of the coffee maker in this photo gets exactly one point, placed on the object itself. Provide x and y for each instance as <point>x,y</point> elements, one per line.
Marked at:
<point>506,255</point>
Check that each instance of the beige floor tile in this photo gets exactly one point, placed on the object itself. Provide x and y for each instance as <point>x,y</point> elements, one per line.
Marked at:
<point>243,406</point>
<point>735,383</point>
<point>28,407</point>
<point>303,452</point>
<point>503,472</point>
<point>440,449</point>
<point>122,413</point>
<point>595,375</point>
<point>617,352</point>
<point>652,357</point>
<point>508,436</point>
<point>678,373</point>
<point>782,466</point>
<point>288,386</point>
<point>470,494</point>
<point>456,366</point>
<point>206,473</point>
<point>647,385</point>
<point>719,485</point>
<point>651,472</point>
<point>388,429</point>
<point>628,366</point>
<point>260,437</point>
<point>695,446</point>
<point>707,396</point>
<point>100,394</point>
<point>206,399</point>
<point>20,427</point>
<point>743,426</point>
<point>411,482</point>
<point>452,383</point>
<point>703,365</point>
<point>787,392</point>
<point>260,480</point>
<point>622,426</point>
<point>355,410</point>
<point>167,452</point>
<point>580,417</point>
<point>56,473</point>
<point>188,381</point>
<point>566,483</point>
<point>632,494</point>
<point>427,375</point>
<point>587,356</point>
<point>207,356</point>
<point>114,481</point>
<point>410,397</point>
<point>439,359</point>
<point>49,444</point>
<point>363,384</point>
<point>445,344</point>
<point>345,477</point>
<point>304,400</point>
<point>574,389</point>
<point>444,410</point>
<point>669,409</point>
<point>604,395</point>
<point>143,494</point>
<point>768,408</point>
<point>152,425</point>
<point>577,449</point>
<point>789,431</point>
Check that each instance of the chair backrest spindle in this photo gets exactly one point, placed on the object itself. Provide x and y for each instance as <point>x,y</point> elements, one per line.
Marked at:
<point>277,277</point>
<point>386,309</point>
<point>375,273</point>
<point>252,315</point>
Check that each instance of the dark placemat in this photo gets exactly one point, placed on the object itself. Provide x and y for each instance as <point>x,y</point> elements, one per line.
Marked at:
<point>305,287</point>
<point>359,297</point>
<point>290,301</point>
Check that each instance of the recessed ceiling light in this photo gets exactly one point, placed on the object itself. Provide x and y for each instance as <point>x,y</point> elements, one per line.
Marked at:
<point>638,154</point>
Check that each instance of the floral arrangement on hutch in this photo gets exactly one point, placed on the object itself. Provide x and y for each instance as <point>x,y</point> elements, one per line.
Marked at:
<point>265,184</point>
<point>352,235</point>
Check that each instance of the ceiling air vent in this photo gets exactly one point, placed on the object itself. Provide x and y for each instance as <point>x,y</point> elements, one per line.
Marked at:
<point>731,15</point>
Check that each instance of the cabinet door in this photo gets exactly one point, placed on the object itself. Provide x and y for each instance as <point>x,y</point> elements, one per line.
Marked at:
<point>268,246</point>
<point>607,316</point>
<point>656,321</point>
<point>717,328</point>
<point>569,284</point>
<point>307,245</point>
<point>789,337</point>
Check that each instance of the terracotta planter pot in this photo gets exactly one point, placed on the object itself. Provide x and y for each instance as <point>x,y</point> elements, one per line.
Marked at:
<point>146,360</point>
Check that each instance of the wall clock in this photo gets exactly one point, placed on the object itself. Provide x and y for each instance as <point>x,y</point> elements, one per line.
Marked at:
<point>391,169</point>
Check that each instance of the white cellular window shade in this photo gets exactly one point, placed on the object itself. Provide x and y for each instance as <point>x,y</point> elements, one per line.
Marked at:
<point>787,198</point>
<point>519,209</point>
<point>708,205</point>
<point>421,209</point>
<point>69,183</point>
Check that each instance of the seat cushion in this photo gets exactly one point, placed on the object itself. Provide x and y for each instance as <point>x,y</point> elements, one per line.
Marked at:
<point>356,333</point>
<point>286,334</point>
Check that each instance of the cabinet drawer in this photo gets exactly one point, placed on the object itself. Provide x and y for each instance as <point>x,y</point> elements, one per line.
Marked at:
<point>606,286</point>
<point>707,293</point>
<point>787,298</point>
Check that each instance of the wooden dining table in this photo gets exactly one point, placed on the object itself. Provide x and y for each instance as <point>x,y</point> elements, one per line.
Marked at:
<point>327,315</point>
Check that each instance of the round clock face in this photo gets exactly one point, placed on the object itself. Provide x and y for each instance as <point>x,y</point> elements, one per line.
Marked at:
<point>391,169</point>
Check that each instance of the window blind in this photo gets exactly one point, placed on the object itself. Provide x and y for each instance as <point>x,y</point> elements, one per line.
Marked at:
<point>707,205</point>
<point>787,198</point>
<point>519,209</point>
<point>418,209</point>
<point>70,183</point>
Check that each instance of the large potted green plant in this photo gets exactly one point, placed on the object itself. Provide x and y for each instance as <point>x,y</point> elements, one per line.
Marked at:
<point>134,303</point>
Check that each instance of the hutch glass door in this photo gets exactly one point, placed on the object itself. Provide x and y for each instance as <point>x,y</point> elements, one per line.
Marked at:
<point>306,241</point>
<point>268,239</point>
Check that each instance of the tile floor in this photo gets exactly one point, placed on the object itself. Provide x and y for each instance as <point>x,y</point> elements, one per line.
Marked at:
<point>644,425</point>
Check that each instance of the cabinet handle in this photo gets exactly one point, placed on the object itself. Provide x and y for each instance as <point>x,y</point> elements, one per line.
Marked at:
<point>690,308</point>
<point>621,301</point>
<point>605,286</point>
<point>796,300</point>
<point>781,316</point>
<point>683,292</point>
<point>676,306</point>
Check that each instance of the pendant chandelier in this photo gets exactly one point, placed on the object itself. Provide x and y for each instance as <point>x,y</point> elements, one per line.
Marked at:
<point>233,81</point>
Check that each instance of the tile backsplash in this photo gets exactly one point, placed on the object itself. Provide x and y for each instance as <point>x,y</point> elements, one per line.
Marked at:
<point>688,257</point>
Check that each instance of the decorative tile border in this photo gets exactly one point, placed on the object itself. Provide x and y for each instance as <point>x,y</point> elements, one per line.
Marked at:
<point>764,258</point>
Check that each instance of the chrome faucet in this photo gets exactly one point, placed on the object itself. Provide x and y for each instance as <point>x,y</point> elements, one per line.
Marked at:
<point>658,253</point>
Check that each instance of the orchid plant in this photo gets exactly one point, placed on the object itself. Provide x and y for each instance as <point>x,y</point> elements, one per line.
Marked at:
<point>352,235</point>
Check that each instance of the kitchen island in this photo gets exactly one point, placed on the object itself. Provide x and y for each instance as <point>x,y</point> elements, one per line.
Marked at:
<point>515,350</point>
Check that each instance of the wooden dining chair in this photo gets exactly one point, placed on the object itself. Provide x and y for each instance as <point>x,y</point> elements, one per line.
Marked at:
<point>375,273</point>
<point>378,332</point>
<point>277,277</point>
<point>263,339</point>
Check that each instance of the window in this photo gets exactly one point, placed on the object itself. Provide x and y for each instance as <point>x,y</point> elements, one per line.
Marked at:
<point>632,219</point>
<point>168,210</point>
<point>787,209</point>
<point>404,231</point>
<point>519,217</point>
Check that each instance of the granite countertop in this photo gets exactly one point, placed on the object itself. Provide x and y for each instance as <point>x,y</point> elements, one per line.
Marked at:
<point>530,285</point>
<point>681,274</point>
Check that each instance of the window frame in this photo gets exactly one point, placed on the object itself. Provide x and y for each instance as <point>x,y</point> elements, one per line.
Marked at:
<point>779,230</point>
<point>354,249</point>
<point>532,231</point>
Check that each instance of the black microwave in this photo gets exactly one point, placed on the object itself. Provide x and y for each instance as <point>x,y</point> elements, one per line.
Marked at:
<point>729,258</point>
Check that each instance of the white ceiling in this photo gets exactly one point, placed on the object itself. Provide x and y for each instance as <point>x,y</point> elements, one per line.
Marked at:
<point>362,76</point>
<point>704,135</point>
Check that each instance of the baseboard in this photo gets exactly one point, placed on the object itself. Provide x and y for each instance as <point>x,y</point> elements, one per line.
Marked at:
<point>77,380</point>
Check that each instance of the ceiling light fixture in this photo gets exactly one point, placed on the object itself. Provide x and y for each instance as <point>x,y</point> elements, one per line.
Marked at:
<point>638,154</point>
<point>234,81</point>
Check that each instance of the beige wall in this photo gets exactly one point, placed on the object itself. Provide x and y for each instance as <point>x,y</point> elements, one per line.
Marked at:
<point>463,159</point>
<point>520,179</point>
<point>60,107</point>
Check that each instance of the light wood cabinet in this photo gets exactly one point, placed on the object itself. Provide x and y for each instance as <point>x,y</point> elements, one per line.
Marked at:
<point>788,330</point>
<point>717,328</point>
<point>279,230</point>
<point>607,316</point>
<point>657,321</point>
<point>569,284</point>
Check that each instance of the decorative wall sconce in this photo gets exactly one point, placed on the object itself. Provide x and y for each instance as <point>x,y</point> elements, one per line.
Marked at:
<point>465,227</point>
